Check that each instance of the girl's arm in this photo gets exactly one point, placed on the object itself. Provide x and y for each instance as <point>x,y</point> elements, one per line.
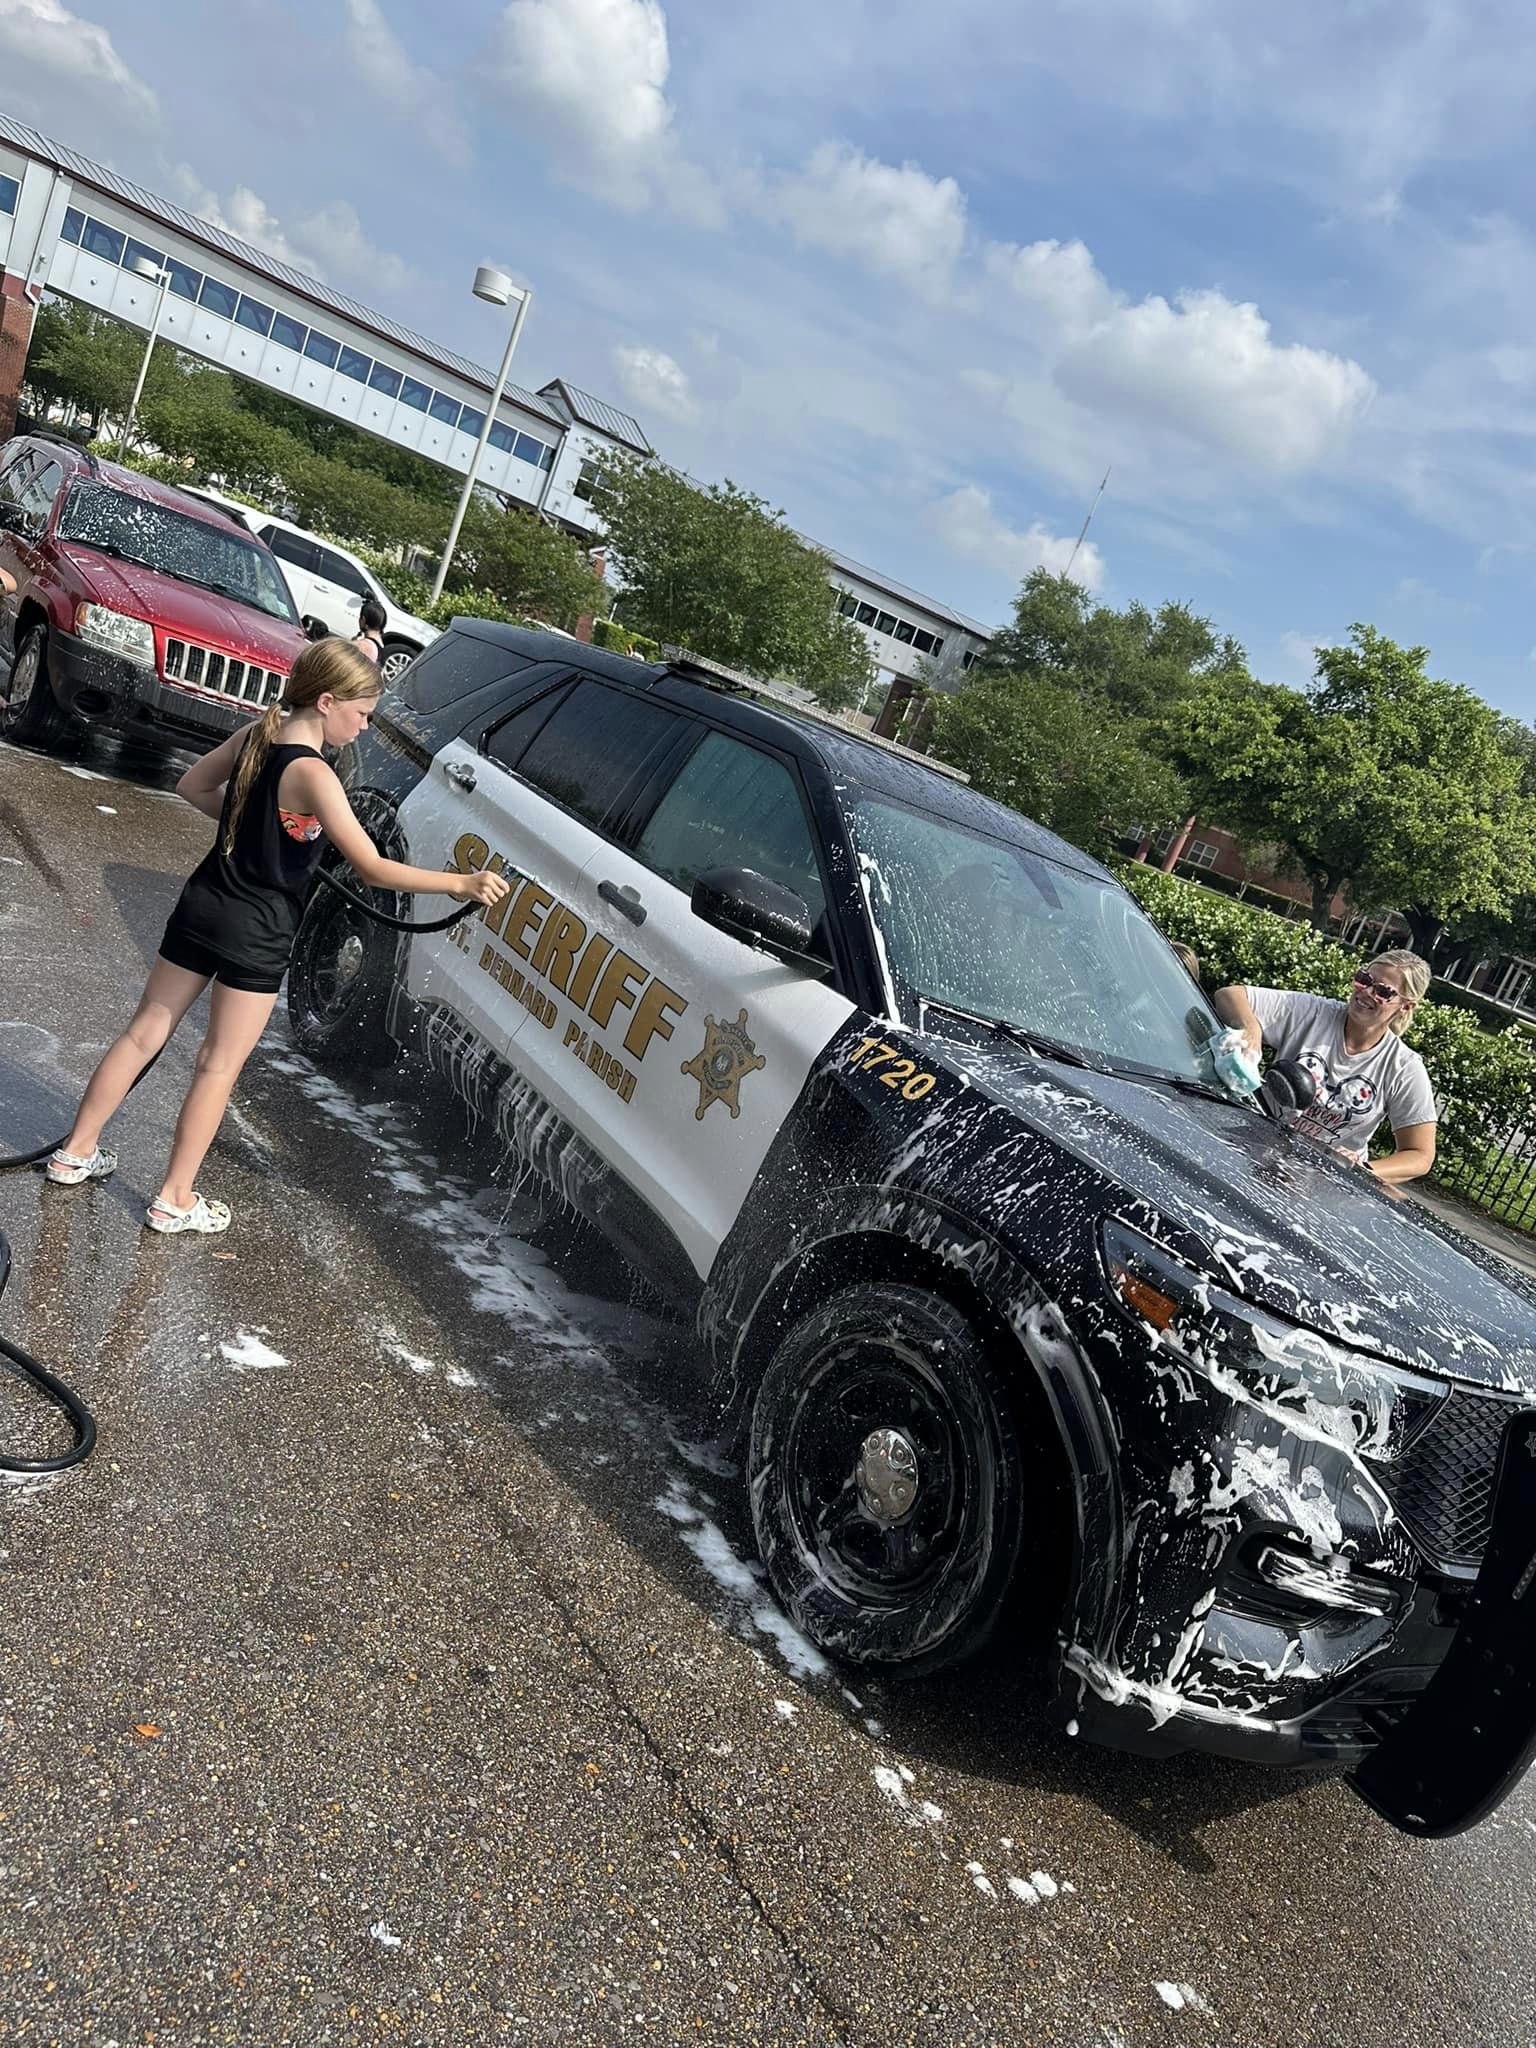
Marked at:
<point>203,784</point>
<point>1233,1007</point>
<point>323,792</point>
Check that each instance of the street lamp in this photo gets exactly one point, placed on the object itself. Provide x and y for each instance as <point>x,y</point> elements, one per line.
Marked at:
<point>496,288</point>
<point>143,267</point>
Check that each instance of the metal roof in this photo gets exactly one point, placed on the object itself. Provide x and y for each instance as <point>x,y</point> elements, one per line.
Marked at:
<point>82,169</point>
<point>596,413</point>
<point>878,581</point>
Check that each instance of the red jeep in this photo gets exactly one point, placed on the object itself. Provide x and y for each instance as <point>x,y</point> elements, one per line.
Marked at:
<point>135,607</point>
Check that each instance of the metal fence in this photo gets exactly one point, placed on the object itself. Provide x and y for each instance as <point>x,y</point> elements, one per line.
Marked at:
<point>1499,1176</point>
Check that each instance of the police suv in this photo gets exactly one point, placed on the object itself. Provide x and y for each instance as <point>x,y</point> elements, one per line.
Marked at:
<point>1018,1310</point>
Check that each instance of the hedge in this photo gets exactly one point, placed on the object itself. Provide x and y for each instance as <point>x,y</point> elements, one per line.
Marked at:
<point>1484,1081</point>
<point>623,640</point>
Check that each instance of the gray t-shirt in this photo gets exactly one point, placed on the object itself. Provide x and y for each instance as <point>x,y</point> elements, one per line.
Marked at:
<point>1355,1089</point>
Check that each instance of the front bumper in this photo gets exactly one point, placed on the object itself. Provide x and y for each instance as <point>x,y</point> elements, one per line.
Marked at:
<point>108,690</point>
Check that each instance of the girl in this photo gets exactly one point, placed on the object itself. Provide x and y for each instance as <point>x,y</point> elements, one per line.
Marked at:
<point>371,621</point>
<point>275,799</point>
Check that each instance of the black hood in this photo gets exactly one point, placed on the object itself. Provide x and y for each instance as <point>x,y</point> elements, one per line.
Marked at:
<point>1278,1220</point>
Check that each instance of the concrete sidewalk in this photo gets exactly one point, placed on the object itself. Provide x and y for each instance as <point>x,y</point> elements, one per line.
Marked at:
<point>1514,1245</point>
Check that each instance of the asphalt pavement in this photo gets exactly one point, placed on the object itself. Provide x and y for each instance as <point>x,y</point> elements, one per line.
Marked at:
<point>398,1671</point>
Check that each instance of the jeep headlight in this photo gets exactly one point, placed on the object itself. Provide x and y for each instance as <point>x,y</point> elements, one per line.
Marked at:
<point>1311,1384</point>
<point>116,633</point>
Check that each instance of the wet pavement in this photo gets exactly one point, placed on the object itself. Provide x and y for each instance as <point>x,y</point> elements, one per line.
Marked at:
<point>398,1670</point>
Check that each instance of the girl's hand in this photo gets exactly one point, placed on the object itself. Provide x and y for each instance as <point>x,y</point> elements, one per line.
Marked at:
<point>485,886</point>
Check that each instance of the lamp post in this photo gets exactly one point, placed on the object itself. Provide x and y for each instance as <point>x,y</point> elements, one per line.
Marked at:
<point>144,268</point>
<point>496,288</point>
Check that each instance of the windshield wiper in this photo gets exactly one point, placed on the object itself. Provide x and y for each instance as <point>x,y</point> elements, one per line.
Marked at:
<point>1032,1041</point>
<point>105,547</point>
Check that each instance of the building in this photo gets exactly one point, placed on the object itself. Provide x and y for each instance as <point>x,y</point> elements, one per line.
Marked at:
<point>913,639</point>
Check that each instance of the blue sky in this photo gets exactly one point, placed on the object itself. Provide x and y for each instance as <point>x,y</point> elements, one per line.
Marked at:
<point>919,274</point>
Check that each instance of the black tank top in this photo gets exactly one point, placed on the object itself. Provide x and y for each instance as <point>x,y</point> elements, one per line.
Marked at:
<point>245,906</point>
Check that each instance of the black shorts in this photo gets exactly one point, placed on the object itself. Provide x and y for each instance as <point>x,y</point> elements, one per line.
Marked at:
<point>183,952</point>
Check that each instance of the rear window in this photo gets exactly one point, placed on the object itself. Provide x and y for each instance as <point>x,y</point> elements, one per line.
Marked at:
<point>455,667</point>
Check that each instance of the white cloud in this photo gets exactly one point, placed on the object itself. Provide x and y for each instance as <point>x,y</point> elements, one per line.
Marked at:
<point>967,524</point>
<point>44,33</point>
<point>1299,652</point>
<point>893,218</point>
<point>403,83</point>
<point>592,77</point>
<point>1204,367</point>
<point>654,382</point>
<point>328,243</point>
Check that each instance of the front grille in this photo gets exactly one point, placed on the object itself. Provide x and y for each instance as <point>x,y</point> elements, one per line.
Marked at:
<point>1443,1485</point>
<point>201,668</point>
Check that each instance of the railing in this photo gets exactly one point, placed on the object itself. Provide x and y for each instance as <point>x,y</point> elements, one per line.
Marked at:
<point>1499,1176</point>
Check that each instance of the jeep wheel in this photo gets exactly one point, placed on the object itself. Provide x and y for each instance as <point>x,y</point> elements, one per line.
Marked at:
<point>339,981</point>
<point>395,659</point>
<point>31,712</point>
<point>886,1480</point>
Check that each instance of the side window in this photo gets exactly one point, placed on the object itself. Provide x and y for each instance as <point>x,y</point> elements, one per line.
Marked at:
<point>298,554</point>
<point>732,806</point>
<point>338,570</point>
<point>15,472</point>
<point>39,490</point>
<point>591,747</point>
<point>507,743</point>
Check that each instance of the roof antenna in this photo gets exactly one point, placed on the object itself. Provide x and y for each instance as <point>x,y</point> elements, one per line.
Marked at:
<point>1086,524</point>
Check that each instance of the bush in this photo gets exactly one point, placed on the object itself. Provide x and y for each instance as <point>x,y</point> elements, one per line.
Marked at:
<point>411,592</point>
<point>476,604</point>
<point>623,640</point>
<point>1484,1081</point>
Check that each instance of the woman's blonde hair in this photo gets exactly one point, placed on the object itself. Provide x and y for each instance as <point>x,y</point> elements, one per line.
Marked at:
<point>1415,975</point>
<point>328,667</point>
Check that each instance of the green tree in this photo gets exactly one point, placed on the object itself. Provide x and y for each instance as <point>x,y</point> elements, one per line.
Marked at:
<point>84,359</point>
<point>713,569</point>
<point>527,564</point>
<point>1048,750</point>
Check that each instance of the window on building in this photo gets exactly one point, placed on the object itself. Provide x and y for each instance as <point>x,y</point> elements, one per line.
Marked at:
<point>530,450</point>
<point>968,657</point>
<point>592,748</point>
<point>866,615</point>
<point>186,282</point>
<point>588,485</point>
<point>885,622</point>
<point>218,298</point>
<point>136,251</point>
<point>253,314</point>
<point>904,631</point>
<point>321,349</point>
<point>925,643</point>
<point>74,223</point>
<point>288,332</point>
<point>938,644</point>
<point>1201,853</point>
<point>386,380</point>
<point>847,605</point>
<point>470,422</point>
<point>10,195</point>
<point>445,409</point>
<point>353,363</point>
<point>416,395</point>
<point>105,242</point>
<point>503,438</point>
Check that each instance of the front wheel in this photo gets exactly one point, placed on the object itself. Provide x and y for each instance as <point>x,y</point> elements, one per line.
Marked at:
<point>886,1480</point>
<point>31,712</point>
<point>339,982</point>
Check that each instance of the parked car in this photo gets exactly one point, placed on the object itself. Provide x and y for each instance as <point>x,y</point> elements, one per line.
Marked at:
<point>1014,1305</point>
<point>136,607</point>
<point>329,584</point>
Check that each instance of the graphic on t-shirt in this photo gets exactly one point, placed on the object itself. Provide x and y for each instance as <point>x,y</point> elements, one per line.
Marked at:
<point>1351,1100</point>
<point>299,825</point>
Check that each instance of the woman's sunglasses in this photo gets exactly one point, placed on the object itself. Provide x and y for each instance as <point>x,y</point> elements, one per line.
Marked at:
<point>1379,989</point>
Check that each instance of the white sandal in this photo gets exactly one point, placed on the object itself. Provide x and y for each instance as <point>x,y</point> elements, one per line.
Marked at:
<point>207,1218</point>
<point>65,1170</point>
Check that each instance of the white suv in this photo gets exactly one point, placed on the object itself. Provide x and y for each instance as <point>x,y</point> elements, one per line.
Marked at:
<point>329,584</point>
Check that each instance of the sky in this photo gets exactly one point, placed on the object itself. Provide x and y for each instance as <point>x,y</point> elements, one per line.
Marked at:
<point>920,275</point>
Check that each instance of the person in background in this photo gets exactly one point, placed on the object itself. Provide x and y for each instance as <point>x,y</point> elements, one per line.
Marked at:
<point>371,621</point>
<point>1355,1052</point>
<point>1188,957</point>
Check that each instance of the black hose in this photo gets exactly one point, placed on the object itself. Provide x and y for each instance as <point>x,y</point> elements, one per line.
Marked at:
<point>400,924</point>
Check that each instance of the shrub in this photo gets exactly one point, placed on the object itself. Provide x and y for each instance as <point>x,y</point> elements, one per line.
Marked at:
<point>623,640</point>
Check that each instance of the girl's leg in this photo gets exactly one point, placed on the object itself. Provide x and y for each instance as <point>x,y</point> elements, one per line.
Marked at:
<point>238,1019</point>
<point>168,995</point>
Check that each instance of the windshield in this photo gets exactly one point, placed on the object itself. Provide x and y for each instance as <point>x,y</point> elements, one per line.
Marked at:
<point>217,558</point>
<point>989,927</point>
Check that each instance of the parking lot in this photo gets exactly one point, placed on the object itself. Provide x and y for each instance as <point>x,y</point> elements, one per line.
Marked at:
<point>398,1669</point>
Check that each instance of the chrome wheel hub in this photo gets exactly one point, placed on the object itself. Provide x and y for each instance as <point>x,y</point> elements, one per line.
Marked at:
<point>887,1476</point>
<point>349,958</point>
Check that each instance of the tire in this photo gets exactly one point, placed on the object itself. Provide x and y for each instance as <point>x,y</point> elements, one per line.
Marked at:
<point>907,1583</point>
<point>32,714</point>
<point>395,659</point>
<point>339,982</point>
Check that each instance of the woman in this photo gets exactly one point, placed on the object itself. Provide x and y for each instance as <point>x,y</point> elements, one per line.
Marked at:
<point>371,621</point>
<point>277,802</point>
<point>1355,1051</point>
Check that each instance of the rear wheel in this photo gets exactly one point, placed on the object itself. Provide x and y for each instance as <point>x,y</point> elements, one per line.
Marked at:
<point>887,1480</point>
<point>32,713</point>
<point>395,659</point>
<point>339,982</point>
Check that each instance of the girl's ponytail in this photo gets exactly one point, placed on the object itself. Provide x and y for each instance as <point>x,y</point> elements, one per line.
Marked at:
<point>252,754</point>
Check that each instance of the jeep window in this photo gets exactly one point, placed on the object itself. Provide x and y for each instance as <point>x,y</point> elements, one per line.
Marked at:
<point>592,747</point>
<point>220,558</point>
<point>733,806</point>
<point>996,929</point>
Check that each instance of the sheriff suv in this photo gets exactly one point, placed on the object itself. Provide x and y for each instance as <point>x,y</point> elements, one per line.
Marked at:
<point>1015,1307</point>
<point>136,607</point>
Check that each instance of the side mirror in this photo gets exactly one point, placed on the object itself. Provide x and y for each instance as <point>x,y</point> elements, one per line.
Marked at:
<point>315,629</point>
<point>759,912</point>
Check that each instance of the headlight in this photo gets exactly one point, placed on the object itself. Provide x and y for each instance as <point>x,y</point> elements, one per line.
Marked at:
<point>115,632</point>
<point>1315,1387</point>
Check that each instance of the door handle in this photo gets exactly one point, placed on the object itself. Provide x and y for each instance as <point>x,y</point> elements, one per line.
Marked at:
<point>460,774</point>
<point>626,900</point>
